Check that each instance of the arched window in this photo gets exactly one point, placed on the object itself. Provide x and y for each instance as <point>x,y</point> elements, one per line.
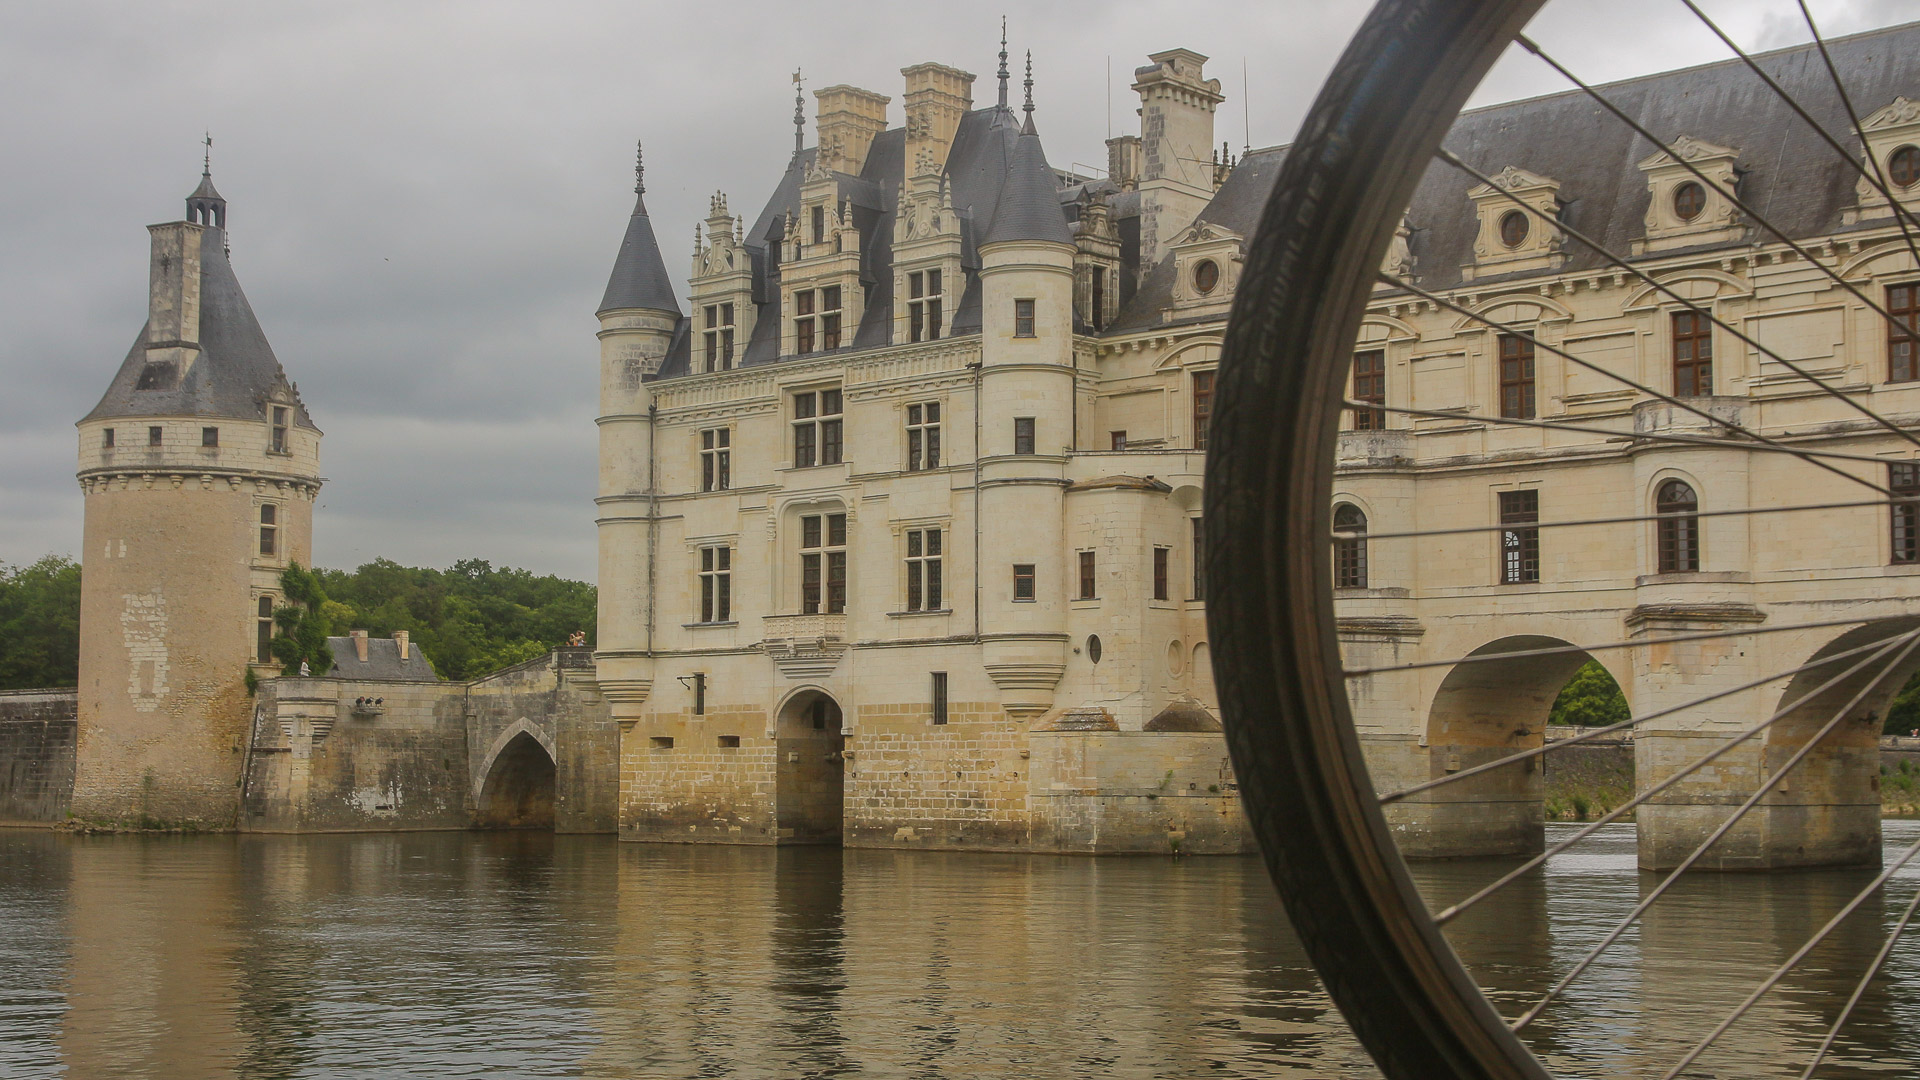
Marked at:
<point>1679,529</point>
<point>1349,547</point>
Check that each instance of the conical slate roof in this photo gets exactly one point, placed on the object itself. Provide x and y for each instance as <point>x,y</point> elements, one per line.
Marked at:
<point>1029,203</point>
<point>235,370</point>
<point>639,277</point>
<point>205,190</point>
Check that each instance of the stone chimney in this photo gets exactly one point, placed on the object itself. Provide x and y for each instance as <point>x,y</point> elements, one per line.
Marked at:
<point>1123,161</point>
<point>359,644</point>
<point>1177,103</point>
<point>400,639</point>
<point>173,304</point>
<point>937,98</point>
<point>848,118</point>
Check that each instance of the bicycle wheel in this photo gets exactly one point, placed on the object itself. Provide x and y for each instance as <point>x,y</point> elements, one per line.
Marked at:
<point>1311,273</point>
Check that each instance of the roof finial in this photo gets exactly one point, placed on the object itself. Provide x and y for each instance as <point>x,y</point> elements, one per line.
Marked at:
<point>1003,61</point>
<point>639,168</point>
<point>206,156</point>
<point>799,117</point>
<point>1029,105</point>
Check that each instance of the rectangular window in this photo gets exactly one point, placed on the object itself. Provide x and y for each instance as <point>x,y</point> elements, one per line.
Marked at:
<point>816,428</point>
<point>803,321</point>
<point>1519,537</point>
<point>699,694</point>
<point>1097,306</point>
<point>1370,387</point>
<point>923,436</point>
<point>153,435</point>
<point>1119,439</point>
<point>1202,407</point>
<point>1023,318</point>
<point>829,427</point>
<point>716,584</point>
<point>1692,355</point>
<point>830,318</point>
<point>1903,479</point>
<point>263,629</point>
<point>1199,558</point>
<point>819,215</point>
<point>1161,557</point>
<point>269,529</point>
<point>939,697</point>
<point>209,436</point>
<point>1023,434</point>
<point>923,570</point>
<point>1903,303</point>
<point>1516,377</point>
<point>1023,581</point>
<point>716,459</point>
<point>823,564</point>
<point>923,305</point>
<point>106,439</point>
<point>719,337</point>
<point>278,441</point>
<point>1087,577</point>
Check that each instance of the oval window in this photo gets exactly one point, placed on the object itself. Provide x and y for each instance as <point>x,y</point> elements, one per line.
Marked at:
<point>1903,166</point>
<point>1514,228</point>
<point>1176,657</point>
<point>1688,200</point>
<point>1093,647</point>
<point>1206,275</point>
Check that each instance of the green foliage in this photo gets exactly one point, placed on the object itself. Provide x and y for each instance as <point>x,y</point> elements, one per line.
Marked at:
<point>469,619</point>
<point>40,624</point>
<point>302,623</point>
<point>1590,699</point>
<point>1904,714</point>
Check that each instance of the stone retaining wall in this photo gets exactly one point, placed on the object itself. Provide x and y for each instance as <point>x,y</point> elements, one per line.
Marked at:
<point>37,734</point>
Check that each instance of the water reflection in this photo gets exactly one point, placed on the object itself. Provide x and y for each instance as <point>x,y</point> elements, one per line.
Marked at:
<point>527,955</point>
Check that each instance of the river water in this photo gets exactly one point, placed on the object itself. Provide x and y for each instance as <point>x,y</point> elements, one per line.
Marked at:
<point>470,954</point>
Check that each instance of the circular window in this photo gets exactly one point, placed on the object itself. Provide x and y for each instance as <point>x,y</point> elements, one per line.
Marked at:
<point>1514,228</point>
<point>1206,275</point>
<point>1093,647</point>
<point>1903,166</point>
<point>1688,200</point>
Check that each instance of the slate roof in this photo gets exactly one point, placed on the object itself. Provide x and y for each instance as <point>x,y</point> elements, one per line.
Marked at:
<point>1790,174</point>
<point>235,371</point>
<point>1030,201</point>
<point>639,278</point>
<point>978,171</point>
<point>382,662</point>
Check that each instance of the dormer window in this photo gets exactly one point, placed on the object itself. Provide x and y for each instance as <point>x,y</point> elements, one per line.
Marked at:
<point>819,216</point>
<point>1515,238</point>
<point>719,337</point>
<point>923,305</point>
<point>816,327</point>
<point>278,439</point>
<point>1682,210</point>
<point>1892,138</point>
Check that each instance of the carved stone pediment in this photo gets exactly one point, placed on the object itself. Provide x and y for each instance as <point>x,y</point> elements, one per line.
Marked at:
<point>1681,210</point>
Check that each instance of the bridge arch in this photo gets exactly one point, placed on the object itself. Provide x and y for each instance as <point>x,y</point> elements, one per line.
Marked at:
<point>516,780</point>
<point>1487,707</point>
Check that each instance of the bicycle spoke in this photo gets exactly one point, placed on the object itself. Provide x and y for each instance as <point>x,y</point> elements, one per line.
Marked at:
<point>1633,519</point>
<point>1860,990</point>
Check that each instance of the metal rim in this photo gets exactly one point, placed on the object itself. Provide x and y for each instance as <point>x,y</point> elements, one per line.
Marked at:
<point>1310,268</point>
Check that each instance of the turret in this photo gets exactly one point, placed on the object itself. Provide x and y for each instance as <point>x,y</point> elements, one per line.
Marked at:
<point>200,466</point>
<point>639,317</point>
<point>1176,176</point>
<point>1027,393</point>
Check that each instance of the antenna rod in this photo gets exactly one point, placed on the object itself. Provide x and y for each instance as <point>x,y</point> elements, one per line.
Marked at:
<point>1246,108</point>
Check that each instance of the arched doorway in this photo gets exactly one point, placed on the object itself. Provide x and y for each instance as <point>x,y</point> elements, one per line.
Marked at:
<point>810,783</point>
<point>1487,709</point>
<point>518,792</point>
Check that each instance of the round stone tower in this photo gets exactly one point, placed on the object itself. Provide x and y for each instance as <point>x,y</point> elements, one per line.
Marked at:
<point>199,469</point>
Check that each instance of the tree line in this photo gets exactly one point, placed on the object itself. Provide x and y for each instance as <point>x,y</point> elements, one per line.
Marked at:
<point>469,619</point>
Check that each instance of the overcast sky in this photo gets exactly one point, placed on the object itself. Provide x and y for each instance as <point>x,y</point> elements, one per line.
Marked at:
<point>425,199</point>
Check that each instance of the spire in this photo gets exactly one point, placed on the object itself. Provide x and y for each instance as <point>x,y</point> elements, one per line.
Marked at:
<point>1027,129</point>
<point>639,278</point>
<point>1029,207</point>
<point>205,206</point>
<point>1003,61</point>
<point>799,117</point>
<point>639,168</point>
